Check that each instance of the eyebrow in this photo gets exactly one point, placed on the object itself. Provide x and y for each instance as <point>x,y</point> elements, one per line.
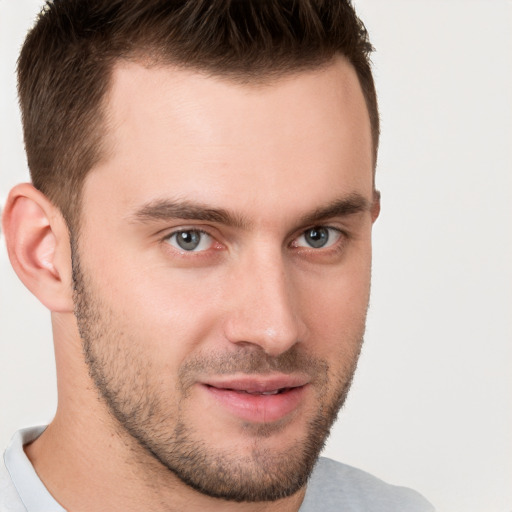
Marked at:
<point>344,207</point>
<point>164,209</point>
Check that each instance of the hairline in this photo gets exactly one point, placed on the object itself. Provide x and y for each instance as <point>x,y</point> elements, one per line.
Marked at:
<point>153,60</point>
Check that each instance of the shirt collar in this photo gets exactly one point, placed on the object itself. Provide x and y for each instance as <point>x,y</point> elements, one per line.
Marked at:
<point>33,493</point>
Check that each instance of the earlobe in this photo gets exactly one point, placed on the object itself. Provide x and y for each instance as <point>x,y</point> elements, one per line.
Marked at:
<point>38,246</point>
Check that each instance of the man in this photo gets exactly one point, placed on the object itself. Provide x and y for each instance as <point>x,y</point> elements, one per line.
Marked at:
<point>199,225</point>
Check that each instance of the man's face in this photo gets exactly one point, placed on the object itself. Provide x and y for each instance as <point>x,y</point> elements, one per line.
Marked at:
<point>222,271</point>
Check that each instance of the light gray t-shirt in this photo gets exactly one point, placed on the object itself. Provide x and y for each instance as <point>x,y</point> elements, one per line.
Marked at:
<point>336,487</point>
<point>21,490</point>
<point>333,487</point>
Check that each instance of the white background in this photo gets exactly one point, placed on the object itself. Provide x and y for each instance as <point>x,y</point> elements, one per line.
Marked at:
<point>431,405</point>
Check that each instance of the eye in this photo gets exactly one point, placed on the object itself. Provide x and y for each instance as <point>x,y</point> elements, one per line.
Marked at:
<point>190,240</point>
<point>318,237</point>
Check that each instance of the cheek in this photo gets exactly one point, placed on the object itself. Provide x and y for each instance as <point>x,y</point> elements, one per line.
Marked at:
<point>335,306</point>
<point>173,311</point>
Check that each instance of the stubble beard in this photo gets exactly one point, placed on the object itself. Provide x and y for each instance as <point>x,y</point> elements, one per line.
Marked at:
<point>123,381</point>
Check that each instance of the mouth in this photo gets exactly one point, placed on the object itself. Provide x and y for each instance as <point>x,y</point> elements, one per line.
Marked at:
<point>263,400</point>
<point>255,391</point>
<point>273,392</point>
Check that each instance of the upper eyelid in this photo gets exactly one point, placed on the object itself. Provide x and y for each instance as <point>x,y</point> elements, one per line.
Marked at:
<point>297,233</point>
<point>174,231</point>
<point>168,232</point>
<point>341,232</point>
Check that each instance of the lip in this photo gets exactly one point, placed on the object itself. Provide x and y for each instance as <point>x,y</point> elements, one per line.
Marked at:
<point>263,399</point>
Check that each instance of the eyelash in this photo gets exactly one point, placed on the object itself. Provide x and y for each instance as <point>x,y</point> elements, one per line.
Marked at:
<point>335,247</point>
<point>177,232</point>
<point>339,234</point>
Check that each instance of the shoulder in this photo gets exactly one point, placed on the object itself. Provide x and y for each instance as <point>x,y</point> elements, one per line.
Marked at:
<point>335,486</point>
<point>9,497</point>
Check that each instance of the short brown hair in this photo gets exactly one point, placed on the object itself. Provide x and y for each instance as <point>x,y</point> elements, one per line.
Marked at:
<point>66,62</point>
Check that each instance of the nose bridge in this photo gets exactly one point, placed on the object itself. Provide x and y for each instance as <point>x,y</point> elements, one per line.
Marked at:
<point>264,312</point>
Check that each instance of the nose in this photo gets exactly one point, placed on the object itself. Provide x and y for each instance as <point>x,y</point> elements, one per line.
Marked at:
<point>263,306</point>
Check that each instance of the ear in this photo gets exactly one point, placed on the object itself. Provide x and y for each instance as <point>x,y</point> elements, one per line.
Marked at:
<point>38,246</point>
<point>375,205</point>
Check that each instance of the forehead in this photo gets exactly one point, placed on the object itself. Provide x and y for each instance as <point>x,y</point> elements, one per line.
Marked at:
<point>179,133</point>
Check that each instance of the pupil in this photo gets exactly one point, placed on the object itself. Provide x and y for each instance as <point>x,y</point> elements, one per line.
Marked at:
<point>317,237</point>
<point>188,240</point>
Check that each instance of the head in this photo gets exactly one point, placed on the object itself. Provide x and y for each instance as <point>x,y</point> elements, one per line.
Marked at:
<point>66,65</point>
<point>214,164</point>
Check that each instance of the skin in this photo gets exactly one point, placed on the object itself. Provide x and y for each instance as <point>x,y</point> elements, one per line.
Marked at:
<point>161,324</point>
